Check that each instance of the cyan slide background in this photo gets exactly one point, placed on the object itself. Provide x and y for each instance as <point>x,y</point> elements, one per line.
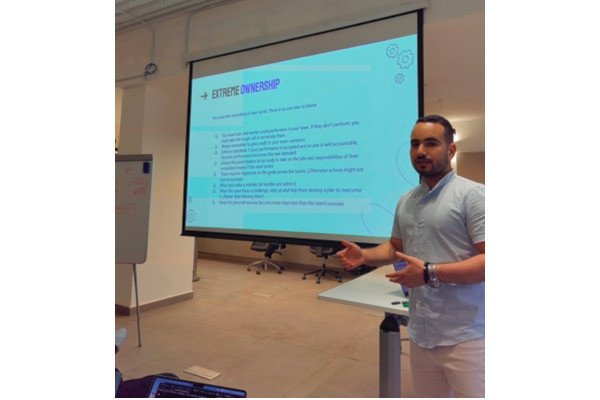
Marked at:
<point>373,84</point>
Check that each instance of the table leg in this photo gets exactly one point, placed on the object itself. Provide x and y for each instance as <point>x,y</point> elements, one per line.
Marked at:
<point>390,348</point>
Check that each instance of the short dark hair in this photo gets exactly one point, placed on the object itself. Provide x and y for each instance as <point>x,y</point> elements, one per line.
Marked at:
<point>438,119</point>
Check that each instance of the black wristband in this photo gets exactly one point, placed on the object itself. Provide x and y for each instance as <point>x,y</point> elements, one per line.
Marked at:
<point>426,273</point>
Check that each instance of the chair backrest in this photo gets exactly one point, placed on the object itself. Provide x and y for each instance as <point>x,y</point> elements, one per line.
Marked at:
<point>321,251</point>
<point>266,247</point>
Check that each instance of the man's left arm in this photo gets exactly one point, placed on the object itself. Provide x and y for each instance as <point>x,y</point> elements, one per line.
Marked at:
<point>471,270</point>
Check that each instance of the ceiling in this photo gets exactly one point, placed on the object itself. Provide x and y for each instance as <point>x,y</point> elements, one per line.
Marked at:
<point>133,13</point>
<point>454,56</point>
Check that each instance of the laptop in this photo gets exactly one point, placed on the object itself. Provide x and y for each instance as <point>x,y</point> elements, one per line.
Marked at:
<point>163,386</point>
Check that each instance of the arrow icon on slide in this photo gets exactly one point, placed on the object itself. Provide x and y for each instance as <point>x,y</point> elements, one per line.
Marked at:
<point>204,96</point>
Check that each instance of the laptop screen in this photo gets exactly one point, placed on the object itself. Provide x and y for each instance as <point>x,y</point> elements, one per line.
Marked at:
<point>170,387</point>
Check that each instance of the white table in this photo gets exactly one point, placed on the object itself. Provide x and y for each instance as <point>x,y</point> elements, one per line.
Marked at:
<point>375,291</point>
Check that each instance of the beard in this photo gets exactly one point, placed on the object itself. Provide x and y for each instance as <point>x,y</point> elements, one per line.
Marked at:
<point>430,168</point>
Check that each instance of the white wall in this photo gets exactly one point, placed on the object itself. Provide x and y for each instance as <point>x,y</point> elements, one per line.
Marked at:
<point>130,142</point>
<point>154,122</point>
<point>471,165</point>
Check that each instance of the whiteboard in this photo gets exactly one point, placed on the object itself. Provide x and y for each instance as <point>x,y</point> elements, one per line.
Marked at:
<point>133,187</point>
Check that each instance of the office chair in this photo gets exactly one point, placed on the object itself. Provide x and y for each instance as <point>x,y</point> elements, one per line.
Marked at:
<point>321,272</point>
<point>268,249</point>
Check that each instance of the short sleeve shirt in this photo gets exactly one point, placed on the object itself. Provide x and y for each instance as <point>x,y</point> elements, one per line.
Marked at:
<point>443,225</point>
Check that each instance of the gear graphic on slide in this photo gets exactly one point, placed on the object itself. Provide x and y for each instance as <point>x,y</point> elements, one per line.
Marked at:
<point>392,51</point>
<point>399,78</point>
<point>191,216</point>
<point>406,59</point>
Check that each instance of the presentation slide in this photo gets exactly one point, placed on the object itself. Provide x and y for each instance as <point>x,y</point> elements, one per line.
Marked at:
<point>315,147</point>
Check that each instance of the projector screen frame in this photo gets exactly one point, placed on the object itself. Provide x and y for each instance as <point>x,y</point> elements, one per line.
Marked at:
<point>287,236</point>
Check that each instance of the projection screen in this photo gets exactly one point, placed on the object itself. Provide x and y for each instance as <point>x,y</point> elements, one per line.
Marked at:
<point>305,141</point>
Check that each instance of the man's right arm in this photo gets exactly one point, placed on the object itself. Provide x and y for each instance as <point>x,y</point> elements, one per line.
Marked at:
<point>352,256</point>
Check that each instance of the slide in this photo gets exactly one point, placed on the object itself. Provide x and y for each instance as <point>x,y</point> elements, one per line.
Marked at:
<point>317,145</point>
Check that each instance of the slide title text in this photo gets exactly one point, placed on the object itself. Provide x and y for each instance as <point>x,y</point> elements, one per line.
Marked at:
<point>246,88</point>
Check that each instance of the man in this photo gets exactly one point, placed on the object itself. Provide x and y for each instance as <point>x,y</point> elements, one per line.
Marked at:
<point>439,229</point>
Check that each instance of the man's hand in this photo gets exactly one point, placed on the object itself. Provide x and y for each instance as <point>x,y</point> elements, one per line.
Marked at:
<point>351,257</point>
<point>412,275</point>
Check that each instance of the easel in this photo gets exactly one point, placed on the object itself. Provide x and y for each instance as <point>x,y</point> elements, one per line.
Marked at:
<point>137,305</point>
<point>133,177</point>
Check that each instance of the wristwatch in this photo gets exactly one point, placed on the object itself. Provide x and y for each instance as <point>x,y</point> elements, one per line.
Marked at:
<point>433,280</point>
